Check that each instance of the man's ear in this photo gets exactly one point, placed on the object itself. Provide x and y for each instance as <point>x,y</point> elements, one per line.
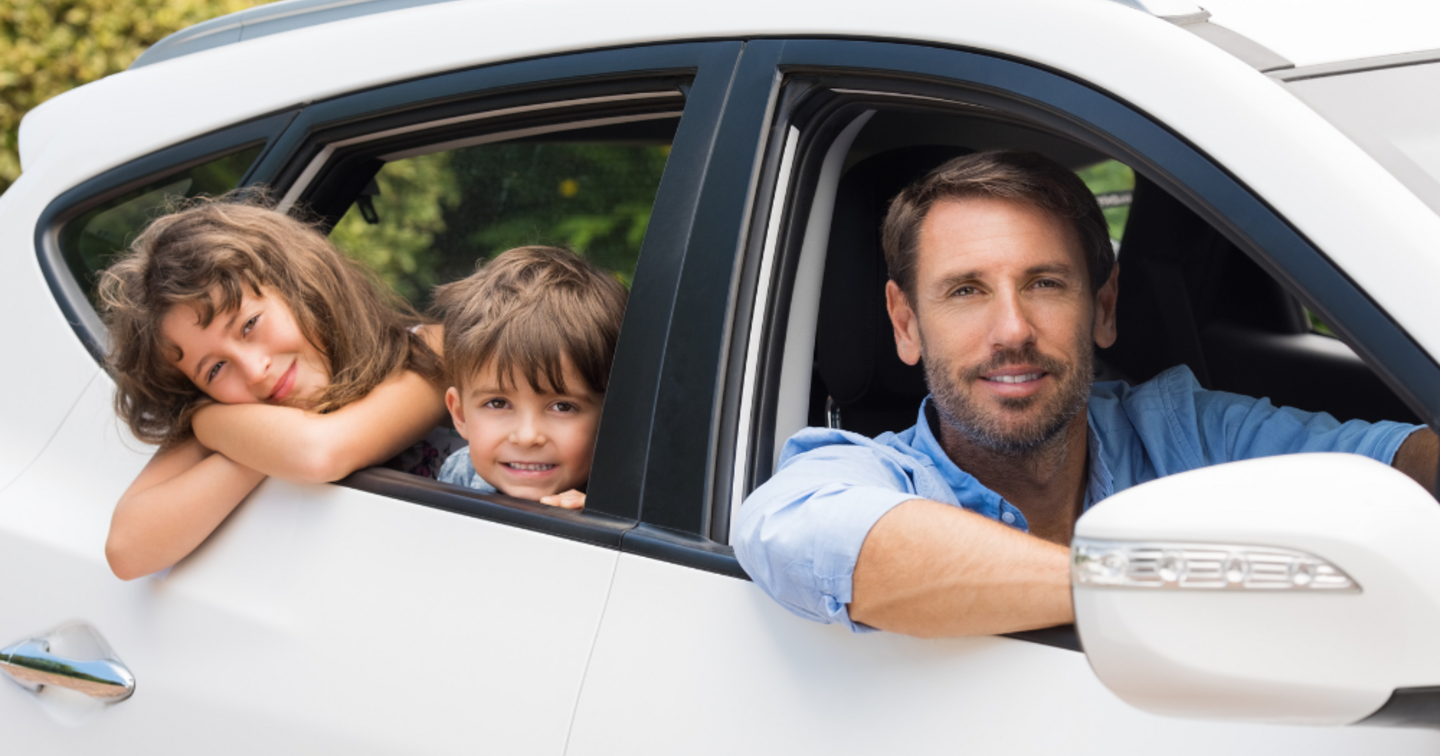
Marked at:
<point>1105,300</point>
<point>906,324</point>
<point>457,411</point>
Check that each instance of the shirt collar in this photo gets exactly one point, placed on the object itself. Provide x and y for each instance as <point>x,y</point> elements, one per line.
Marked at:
<point>1100,486</point>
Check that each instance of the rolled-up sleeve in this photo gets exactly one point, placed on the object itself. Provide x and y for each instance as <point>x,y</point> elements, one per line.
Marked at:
<point>799,535</point>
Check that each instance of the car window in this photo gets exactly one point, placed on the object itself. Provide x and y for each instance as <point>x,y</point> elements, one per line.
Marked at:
<point>1113,183</point>
<point>91,241</point>
<point>429,218</point>
<point>1189,295</point>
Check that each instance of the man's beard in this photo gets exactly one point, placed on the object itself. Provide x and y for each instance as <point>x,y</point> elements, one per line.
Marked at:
<point>960,411</point>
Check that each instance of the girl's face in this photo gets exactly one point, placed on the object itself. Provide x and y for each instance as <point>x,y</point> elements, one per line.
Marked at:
<point>254,354</point>
<point>526,443</point>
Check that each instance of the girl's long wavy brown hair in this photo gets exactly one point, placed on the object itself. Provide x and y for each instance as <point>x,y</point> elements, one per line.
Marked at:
<point>205,256</point>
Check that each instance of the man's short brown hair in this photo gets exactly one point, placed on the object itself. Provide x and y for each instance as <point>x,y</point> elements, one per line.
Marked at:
<point>1002,174</point>
<point>525,312</point>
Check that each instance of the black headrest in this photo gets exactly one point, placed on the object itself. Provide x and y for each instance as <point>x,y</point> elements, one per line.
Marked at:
<point>855,345</point>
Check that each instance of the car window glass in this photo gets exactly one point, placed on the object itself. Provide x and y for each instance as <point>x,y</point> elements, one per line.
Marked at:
<point>428,219</point>
<point>1113,184</point>
<point>90,242</point>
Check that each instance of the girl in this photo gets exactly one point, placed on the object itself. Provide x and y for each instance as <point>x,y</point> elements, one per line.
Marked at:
<point>245,345</point>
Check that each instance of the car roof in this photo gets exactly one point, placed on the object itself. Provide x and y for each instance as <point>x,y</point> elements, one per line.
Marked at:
<point>1300,32</point>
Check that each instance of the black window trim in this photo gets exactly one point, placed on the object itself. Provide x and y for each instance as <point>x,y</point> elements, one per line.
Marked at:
<point>703,73</point>
<point>68,292</point>
<point>1053,102</point>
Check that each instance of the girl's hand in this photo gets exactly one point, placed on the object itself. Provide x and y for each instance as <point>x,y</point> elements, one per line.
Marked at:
<point>571,499</point>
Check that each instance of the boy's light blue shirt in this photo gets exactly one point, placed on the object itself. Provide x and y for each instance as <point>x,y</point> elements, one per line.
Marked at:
<point>460,471</point>
<point>799,535</point>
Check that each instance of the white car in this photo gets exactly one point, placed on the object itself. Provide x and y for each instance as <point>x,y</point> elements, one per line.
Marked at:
<point>1286,163</point>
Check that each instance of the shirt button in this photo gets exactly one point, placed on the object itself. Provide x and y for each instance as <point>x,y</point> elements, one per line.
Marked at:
<point>1008,517</point>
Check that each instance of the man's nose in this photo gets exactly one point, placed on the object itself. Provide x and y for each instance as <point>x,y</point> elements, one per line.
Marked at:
<point>1011,326</point>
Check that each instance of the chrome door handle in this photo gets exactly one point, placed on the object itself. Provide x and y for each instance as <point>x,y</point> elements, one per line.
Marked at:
<point>31,664</point>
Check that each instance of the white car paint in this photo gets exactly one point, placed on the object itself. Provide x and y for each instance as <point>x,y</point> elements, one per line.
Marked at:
<point>322,618</point>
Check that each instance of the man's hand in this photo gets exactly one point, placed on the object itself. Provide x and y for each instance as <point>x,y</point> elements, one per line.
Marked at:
<point>930,570</point>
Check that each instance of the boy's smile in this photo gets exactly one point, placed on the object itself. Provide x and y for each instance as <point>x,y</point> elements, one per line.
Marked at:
<point>527,443</point>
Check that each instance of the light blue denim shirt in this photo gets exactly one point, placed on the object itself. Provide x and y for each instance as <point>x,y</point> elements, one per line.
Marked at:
<point>798,536</point>
<point>460,471</point>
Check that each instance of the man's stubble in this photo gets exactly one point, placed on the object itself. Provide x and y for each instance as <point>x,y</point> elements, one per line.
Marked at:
<point>1023,433</point>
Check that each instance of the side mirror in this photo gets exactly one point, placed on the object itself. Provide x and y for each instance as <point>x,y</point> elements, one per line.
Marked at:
<point>1302,589</point>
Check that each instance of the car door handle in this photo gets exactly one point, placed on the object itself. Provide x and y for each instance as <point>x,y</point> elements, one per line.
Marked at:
<point>31,664</point>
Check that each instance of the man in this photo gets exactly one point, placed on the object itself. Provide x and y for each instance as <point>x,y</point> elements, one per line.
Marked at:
<point>1003,282</point>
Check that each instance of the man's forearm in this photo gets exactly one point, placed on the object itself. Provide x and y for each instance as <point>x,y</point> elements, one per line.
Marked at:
<point>1417,458</point>
<point>930,570</point>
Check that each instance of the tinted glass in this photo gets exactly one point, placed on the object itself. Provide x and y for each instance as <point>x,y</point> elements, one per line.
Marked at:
<point>428,219</point>
<point>90,242</point>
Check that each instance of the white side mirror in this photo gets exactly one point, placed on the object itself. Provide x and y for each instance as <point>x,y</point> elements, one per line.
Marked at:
<point>1301,589</point>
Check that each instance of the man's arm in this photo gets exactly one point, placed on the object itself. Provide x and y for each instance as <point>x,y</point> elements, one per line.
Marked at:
<point>930,570</point>
<point>1417,457</point>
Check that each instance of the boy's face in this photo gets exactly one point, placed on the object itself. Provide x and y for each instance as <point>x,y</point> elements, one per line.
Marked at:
<point>528,444</point>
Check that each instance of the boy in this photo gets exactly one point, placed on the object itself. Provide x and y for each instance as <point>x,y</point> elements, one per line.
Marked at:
<point>528,342</point>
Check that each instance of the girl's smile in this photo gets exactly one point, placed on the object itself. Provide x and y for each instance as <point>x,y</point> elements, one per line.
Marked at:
<point>255,353</point>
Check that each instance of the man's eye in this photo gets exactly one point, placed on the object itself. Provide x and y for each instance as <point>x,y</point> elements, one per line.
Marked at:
<point>213,371</point>
<point>1047,283</point>
<point>964,291</point>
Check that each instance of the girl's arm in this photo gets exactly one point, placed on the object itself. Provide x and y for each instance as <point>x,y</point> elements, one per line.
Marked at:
<point>181,496</point>
<point>304,447</point>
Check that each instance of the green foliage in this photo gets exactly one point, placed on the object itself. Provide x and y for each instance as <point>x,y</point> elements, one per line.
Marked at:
<point>1104,178</point>
<point>50,46</point>
<point>414,198</point>
<point>440,214</point>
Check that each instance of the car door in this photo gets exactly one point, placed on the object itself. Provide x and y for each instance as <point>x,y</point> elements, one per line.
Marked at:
<point>690,655</point>
<point>386,613</point>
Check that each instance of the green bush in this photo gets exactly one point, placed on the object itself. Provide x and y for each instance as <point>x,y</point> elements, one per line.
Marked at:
<point>50,46</point>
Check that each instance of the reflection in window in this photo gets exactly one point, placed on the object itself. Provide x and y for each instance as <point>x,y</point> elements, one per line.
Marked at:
<point>427,220</point>
<point>90,242</point>
<point>1113,184</point>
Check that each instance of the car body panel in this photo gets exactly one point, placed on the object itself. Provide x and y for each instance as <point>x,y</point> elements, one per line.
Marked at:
<point>331,617</point>
<point>689,661</point>
<point>328,616</point>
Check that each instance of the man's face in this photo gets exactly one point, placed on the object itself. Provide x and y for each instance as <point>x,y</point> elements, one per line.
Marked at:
<point>1004,318</point>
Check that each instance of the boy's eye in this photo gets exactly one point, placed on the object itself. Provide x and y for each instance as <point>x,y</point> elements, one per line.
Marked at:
<point>213,371</point>
<point>249,325</point>
<point>496,404</point>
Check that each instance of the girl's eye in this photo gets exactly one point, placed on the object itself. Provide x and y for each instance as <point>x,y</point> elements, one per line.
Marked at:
<point>249,325</point>
<point>566,407</point>
<point>213,371</point>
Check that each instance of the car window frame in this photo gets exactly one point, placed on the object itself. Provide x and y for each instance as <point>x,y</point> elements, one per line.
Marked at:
<point>685,526</point>
<point>290,142</point>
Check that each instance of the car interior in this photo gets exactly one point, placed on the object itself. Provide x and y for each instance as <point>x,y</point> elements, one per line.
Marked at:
<point>1187,294</point>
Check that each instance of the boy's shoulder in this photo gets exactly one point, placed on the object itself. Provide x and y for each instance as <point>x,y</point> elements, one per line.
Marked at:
<point>458,470</point>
